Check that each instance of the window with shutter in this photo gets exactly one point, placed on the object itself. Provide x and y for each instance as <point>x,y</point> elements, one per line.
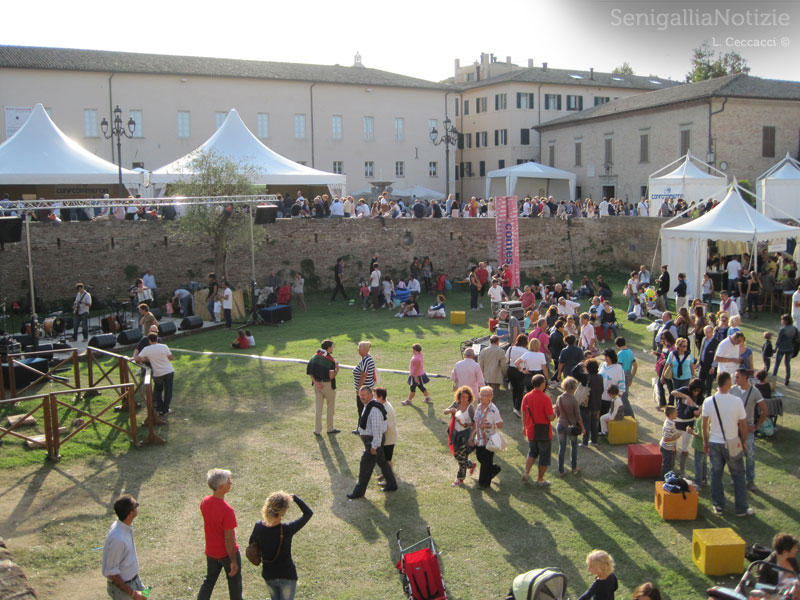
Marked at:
<point>524,136</point>
<point>768,141</point>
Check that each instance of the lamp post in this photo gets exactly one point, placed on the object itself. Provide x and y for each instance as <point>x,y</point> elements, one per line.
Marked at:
<point>118,131</point>
<point>449,138</point>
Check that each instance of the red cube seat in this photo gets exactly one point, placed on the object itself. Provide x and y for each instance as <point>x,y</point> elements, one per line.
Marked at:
<point>644,460</point>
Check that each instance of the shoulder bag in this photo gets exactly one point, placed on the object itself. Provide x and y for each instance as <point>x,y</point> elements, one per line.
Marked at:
<point>496,441</point>
<point>733,446</point>
<point>253,552</point>
<point>666,371</point>
<point>582,395</point>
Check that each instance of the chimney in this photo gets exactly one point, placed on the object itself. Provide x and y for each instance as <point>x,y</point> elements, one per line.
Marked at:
<point>508,60</point>
<point>530,63</point>
<point>458,66</point>
<point>544,66</point>
<point>591,72</point>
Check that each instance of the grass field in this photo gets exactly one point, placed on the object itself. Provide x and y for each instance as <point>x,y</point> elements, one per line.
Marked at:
<point>256,418</point>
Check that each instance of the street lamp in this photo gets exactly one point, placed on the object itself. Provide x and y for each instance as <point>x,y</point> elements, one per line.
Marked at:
<point>118,131</point>
<point>449,138</point>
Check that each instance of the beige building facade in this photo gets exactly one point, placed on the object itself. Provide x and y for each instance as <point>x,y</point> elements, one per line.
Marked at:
<point>739,124</point>
<point>500,104</point>
<point>368,124</point>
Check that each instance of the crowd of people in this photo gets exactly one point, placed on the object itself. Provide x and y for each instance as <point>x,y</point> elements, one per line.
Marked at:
<point>570,375</point>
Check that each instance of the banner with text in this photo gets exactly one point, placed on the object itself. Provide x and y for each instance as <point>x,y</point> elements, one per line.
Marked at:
<point>506,219</point>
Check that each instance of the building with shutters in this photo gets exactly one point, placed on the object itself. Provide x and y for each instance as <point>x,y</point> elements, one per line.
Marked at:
<point>500,104</point>
<point>369,124</point>
<point>740,124</point>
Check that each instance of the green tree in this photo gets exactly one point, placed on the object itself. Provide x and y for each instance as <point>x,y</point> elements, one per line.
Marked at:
<point>623,69</point>
<point>225,228</point>
<point>707,64</point>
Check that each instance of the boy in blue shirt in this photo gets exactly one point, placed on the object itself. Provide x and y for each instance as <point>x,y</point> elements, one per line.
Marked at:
<point>626,358</point>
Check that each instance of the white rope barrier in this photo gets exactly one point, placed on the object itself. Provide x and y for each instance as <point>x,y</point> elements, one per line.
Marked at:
<point>299,361</point>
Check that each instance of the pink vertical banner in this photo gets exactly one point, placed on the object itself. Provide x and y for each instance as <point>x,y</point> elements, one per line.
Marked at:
<point>507,224</point>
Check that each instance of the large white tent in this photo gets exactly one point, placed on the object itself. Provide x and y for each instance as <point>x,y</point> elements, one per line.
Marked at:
<point>536,177</point>
<point>41,154</point>
<point>686,180</point>
<point>778,190</point>
<point>685,248</point>
<point>234,140</point>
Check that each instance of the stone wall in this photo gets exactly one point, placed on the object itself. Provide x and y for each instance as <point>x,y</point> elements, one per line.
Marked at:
<point>98,253</point>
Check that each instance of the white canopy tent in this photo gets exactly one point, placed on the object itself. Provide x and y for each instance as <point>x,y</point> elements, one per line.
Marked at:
<point>40,153</point>
<point>686,180</point>
<point>418,191</point>
<point>554,182</point>
<point>685,248</point>
<point>234,140</point>
<point>778,190</point>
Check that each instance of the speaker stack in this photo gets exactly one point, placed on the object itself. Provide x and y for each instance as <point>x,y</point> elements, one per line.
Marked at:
<point>11,229</point>
<point>193,322</point>
<point>167,328</point>
<point>104,342</point>
<point>266,214</point>
<point>129,337</point>
<point>272,315</point>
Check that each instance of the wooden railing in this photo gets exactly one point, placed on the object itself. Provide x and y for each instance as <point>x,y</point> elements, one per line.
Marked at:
<point>132,378</point>
<point>15,360</point>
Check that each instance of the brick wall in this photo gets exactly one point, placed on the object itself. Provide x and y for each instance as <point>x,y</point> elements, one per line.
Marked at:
<point>98,253</point>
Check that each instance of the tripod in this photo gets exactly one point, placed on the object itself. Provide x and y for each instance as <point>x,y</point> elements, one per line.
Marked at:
<point>254,318</point>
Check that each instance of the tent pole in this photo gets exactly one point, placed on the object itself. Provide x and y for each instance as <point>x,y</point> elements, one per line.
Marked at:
<point>653,264</point>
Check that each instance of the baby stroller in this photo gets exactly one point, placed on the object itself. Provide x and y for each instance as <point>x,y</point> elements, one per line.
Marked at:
<point>749,583</point>
<point>549,583</point>
<point>420,570</point>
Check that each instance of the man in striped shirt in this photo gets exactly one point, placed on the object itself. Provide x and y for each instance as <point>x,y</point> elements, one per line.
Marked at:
<point>364,373</point>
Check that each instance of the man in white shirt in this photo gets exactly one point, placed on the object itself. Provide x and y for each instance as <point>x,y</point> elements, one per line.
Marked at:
<point>643,209</point>
<point>337,208</point>
<point>496,295</point>
<point>603,208</point>
<point>734,269</point>
<point>414,286</point>
<point>567,307</point>
<point>375,287</point>
<point>588,340</point>
<point>724,418</point>
<point>82,304</point>
<point>728,353</point>
<point>227,304</point>
<point>120,563</point>
<point>150,282</point>
<point>526,207</point>
<point>728,304</point>
<point>468,372</point>
<point>159,357</point>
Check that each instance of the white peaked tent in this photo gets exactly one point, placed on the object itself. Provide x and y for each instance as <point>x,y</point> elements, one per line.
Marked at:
<point>778,190</point>
<point>685,248</point>
<point>234,140</point>
<point>685,180</point>
<point>555,182</point>
<point>40,153</point>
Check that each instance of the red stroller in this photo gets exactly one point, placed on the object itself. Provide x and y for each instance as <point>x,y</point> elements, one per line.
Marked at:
<point>420,569</point>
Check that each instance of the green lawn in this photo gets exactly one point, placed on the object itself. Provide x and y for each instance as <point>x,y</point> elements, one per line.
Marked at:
<point>256,418</point>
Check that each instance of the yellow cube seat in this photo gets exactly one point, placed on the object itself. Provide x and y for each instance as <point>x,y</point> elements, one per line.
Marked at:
<point>718,551</point>
<point>622,432</point>
<point>458,317</point>
<point>674,506</point>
